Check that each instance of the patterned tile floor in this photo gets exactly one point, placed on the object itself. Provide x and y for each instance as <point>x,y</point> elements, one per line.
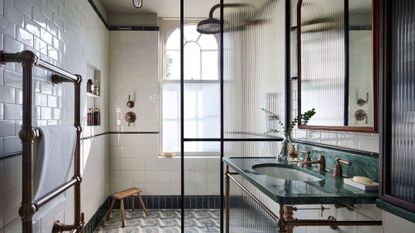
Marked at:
<point>162,221</point>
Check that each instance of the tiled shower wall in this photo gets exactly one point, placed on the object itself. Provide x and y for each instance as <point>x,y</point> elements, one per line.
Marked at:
<point>69,34</point>
<point>135,159</point>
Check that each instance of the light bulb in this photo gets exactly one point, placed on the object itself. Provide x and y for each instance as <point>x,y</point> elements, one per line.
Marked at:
<point>138,3</point>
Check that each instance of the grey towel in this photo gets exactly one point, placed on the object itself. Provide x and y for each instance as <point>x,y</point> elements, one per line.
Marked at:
<point>54,158</point>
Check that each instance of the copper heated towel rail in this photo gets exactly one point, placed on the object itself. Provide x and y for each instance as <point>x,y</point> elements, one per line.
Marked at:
<point>28,134</point>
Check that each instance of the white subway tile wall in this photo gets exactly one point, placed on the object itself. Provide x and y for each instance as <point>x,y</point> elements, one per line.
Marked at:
<point>135,161</point>
<point>69,34</point>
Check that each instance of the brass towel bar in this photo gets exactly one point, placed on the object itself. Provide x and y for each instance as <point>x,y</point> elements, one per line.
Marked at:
<point>28,134</point>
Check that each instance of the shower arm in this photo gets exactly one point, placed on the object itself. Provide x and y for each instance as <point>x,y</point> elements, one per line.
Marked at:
<point>212,10</point>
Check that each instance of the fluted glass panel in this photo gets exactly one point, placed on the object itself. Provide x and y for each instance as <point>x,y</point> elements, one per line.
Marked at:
<point>403,96</point>
<point>323,61</point>
<point>254,73</point>
<point>253,65</point>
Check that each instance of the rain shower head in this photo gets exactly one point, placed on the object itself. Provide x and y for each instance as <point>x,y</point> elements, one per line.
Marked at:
<point>212,25</point>
<point>209,26</point>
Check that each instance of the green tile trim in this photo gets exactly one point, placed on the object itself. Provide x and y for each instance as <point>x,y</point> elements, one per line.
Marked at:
<point>393,209</point>
<point>97,217</point>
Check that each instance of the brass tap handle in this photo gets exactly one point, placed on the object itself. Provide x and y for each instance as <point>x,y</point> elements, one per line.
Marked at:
<point>308,157</point>
<point>345,162</point>
<point>338,171</point>
<point>322,163</point>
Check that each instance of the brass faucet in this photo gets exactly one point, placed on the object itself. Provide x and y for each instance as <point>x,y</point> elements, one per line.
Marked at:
<point>338,171</point>
<point>307,162</point>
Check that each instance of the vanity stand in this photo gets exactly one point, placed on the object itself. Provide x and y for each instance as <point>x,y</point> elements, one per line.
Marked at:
<point>329,190</point>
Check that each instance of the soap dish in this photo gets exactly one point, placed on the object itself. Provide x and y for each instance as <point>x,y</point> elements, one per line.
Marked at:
<point>373,187</point>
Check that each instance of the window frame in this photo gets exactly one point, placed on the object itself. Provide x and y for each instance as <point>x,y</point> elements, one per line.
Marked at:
<point>168,31</point>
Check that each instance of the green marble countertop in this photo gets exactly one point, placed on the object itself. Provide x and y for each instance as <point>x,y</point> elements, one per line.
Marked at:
<point>331,190</point>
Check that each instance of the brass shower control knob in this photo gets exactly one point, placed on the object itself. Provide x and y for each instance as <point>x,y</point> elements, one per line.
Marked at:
<point>130,117</point>
<point>130,102</point>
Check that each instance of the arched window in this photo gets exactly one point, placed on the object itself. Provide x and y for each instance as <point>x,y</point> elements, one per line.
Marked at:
<point>201,74</point>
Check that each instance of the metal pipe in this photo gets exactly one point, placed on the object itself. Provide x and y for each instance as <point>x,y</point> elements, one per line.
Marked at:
<point>311,222</point>
<point>43,200</point>
<point>27,135</point>
<point>50,67</point>
<point>22,56</point>
<point>228,199</point>
<point>254,198</point>
<point>77,159</point>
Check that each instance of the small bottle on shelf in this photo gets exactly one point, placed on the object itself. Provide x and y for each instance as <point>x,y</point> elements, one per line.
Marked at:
<point>89,86</point>
<point>96,88</point>
<point>97,117</point>
<point>90,117</point>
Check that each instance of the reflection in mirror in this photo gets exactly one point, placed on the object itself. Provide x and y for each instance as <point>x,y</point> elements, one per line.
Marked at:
<point>335,63</point>
<point>360,64</point>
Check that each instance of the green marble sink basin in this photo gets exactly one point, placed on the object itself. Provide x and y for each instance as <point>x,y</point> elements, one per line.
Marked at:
<point>284,172</point>
<point>286,183</point>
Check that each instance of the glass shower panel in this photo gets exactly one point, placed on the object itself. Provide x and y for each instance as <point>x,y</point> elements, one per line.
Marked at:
<point>254,68</point>
<point>202,200</point>
<point>402,174</point>
<point>201,118</point>
<point>254,78</point>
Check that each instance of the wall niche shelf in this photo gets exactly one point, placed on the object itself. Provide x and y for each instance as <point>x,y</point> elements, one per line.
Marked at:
<point>93,98</point>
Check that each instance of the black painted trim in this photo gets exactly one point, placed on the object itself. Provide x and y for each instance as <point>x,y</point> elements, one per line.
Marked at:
<point>222,121</point>
<point>98,13</point>
<point>182,178</point>
<point>337,148</point>
<point>346,63</point>
<point>287,62</point>
<point>133,28</point>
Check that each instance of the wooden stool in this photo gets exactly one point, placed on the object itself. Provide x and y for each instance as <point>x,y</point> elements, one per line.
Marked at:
<point>131,192</point>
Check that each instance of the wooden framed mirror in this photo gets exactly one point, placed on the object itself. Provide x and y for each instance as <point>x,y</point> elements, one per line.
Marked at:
<point>337,64</point>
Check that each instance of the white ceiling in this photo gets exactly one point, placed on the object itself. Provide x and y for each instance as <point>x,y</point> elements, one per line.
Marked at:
<point>163,8</point>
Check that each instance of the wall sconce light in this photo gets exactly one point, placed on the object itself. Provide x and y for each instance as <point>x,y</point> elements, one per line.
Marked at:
<point>138,3</point>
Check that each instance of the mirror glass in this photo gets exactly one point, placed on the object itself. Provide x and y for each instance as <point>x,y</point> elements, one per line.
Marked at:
<point>335,65</point>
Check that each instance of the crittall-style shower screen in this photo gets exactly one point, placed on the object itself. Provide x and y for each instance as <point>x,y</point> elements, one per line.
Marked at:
<point>228,72</point>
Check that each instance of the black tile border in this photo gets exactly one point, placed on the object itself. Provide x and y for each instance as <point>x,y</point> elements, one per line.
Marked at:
<point>10,155</point>
<point>97,217</point>
<point>133,28</point>
<point>133,132</point>
<point>158,202</point>
<point>174,202</point>
<point>360,28</point>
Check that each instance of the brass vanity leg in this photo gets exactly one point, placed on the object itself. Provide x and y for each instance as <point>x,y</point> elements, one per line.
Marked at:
<point>227,196</point>
<point>282,224</point>
<point>288,216</point>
